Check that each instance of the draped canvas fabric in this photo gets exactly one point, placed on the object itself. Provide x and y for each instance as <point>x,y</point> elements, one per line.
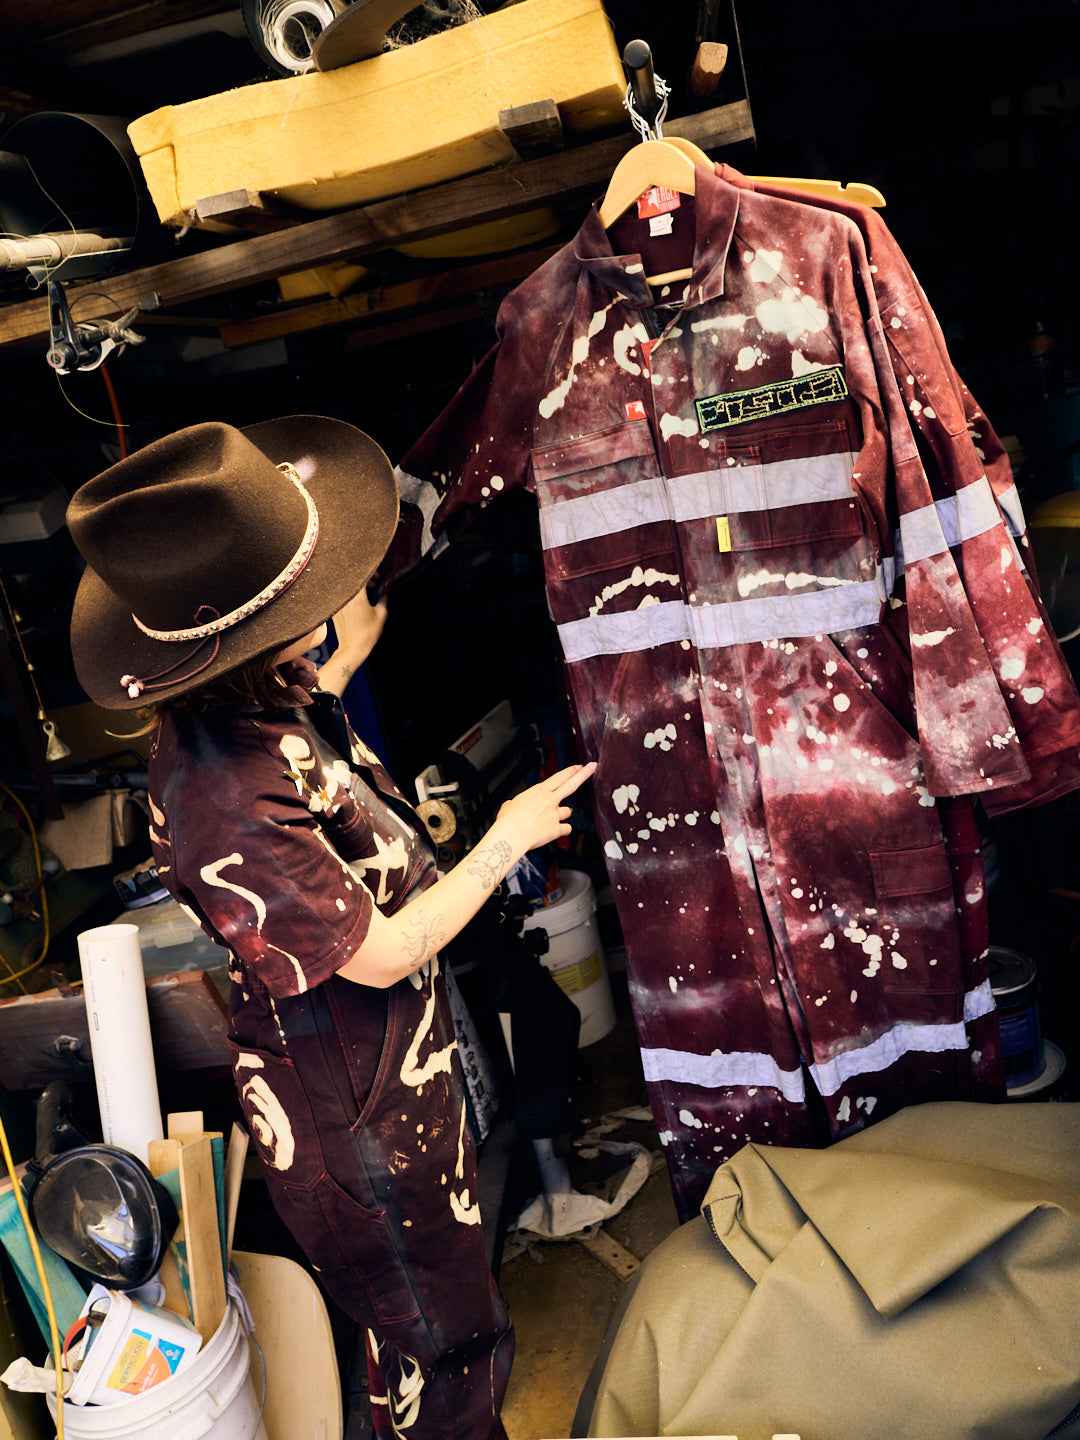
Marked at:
<point>914,1282</point>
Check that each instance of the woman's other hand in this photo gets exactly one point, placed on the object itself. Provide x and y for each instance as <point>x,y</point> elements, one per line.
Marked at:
<point>357,627</point>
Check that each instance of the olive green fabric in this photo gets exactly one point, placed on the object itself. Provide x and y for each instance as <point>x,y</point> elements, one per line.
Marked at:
<point>918,1281</point>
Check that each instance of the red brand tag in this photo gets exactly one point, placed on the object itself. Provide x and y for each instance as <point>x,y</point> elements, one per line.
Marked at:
<point>635,410</point>
<point>657,201</point>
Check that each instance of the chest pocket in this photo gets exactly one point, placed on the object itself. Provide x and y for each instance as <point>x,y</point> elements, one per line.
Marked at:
<point>603,501</point>
<point>785,487</point>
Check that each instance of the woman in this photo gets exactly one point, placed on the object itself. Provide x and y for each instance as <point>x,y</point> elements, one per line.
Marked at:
<point>214,558</point>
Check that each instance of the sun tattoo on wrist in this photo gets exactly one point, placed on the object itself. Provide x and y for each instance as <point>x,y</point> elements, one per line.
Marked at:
<point>424,938</point>
<point>489,866</point>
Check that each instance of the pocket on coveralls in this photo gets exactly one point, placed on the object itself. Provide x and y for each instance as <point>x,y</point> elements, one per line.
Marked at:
<point>278,1115</point>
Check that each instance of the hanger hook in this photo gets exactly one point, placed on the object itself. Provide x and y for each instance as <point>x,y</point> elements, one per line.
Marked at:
<point>647,93</point>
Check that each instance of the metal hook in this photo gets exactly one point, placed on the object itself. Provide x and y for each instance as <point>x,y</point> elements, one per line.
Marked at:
<point>647,93</point>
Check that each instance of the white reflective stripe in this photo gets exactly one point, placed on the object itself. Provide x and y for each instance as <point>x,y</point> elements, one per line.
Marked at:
<point>427,500</point>
<point>747,1068</point>
<point>787,617</point>
<point>947,523</point>
<point>743,489</point>
<point>729,490</point>
<point>1013,510</point>
<point>979,1001</point>
<point>715,1072</point>
<point>585,517</point>
<point>739,622</point>
<point>903,1039</point>
<point>625,630</point>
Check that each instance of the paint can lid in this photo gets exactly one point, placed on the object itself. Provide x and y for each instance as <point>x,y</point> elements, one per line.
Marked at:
<point>1009,970</point>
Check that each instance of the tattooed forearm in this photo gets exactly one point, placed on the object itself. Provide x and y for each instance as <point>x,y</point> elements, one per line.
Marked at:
<point>489,866</point>
<point>423,938</point>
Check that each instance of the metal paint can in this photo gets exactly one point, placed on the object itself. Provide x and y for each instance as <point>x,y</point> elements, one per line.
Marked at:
<point>1053,1081</point>
<point>1015,986</point>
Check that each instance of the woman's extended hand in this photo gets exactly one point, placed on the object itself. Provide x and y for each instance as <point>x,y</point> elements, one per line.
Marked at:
<point>357,627</point>
<point>398,944</point>
<point>539,815</point>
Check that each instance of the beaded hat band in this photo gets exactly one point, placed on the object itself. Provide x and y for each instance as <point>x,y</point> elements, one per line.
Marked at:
<point>268,592</point>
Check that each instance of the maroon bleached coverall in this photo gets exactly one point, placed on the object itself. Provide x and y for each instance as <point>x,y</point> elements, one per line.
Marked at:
<point>787,566</point>
<point>281,832</point>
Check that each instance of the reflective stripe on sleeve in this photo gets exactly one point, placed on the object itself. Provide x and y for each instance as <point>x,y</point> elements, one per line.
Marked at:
<point>939,527</point>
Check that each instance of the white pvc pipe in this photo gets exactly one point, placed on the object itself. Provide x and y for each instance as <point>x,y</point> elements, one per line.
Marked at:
<point>115,992</point>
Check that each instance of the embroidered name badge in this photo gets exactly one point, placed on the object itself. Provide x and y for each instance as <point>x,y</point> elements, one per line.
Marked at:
<point>739,407</point>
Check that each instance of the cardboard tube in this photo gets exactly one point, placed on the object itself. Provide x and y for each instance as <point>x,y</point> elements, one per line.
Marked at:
<point>115,991</point>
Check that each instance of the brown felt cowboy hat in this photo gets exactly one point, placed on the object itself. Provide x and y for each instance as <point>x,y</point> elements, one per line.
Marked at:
<point>215,545</point>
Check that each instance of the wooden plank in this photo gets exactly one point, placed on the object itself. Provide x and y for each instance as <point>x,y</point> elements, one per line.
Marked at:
<point>572,175</point>
<point>534,129</point>
<point>163,1157</point>
<point>367,304</point>
<point>609,1252</point>
<point>46,1036</point>
<point>421,324</point>
<point>234,1174</point>
<point>202,1236</point>
<point>246,210</point>
<point>303,1385</point>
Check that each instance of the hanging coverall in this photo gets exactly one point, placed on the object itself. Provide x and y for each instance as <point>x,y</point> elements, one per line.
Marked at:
<point>796,638</point>
<point>280,831</point>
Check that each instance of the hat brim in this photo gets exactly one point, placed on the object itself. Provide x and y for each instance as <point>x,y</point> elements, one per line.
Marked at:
<point>352,484</point>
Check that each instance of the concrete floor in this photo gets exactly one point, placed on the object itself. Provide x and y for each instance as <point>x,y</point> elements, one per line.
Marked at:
<point>561,1296</point>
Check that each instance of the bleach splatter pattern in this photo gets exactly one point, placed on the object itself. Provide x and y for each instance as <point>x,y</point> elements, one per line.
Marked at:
<point>353,1096</point>
<point>794,639</point>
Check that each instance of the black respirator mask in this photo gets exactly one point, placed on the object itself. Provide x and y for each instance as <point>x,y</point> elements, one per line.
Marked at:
<point>96,1205</point>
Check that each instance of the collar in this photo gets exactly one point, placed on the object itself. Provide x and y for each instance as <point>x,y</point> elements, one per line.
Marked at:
<point>716,208</point>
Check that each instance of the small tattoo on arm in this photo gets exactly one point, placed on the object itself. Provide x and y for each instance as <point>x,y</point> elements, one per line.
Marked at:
<point>424,938</point>
<point>489,866</point>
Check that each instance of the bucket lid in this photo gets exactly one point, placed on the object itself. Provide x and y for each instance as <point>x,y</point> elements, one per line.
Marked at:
<point>573,907</point>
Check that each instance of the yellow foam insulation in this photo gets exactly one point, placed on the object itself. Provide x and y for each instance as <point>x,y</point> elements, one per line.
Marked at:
<point>400,121</point>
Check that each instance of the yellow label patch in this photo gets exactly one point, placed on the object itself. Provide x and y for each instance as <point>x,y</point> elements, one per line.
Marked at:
<point>743,407</point>
<point>723,533</point>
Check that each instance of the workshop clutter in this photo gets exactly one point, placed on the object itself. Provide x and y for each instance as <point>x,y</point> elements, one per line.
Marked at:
<point>214,1393</point>
<point>575,953</point>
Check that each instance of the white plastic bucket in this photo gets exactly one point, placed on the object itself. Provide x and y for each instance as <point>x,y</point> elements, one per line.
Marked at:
<point>213,1394</point>
<point>575,955</point>
<point>137,1348</point>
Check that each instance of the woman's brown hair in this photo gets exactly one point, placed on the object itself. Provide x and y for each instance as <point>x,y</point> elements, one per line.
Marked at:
<point>256,685</point>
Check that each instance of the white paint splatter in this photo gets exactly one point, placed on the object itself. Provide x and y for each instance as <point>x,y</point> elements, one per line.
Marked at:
<point>931,637</point>
<point>677,425</point>
<point>792,315</point>
<point>625,798</point>
<point>662,738</point>
<point>1033,694</point>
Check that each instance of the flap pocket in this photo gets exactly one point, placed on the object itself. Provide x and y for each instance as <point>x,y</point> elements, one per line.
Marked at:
<point>911,872</point>
<point>603,501</point>
<point>278,1116</point>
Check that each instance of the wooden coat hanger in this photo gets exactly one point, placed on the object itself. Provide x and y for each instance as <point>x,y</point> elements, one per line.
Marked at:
<point>856,190</point>
<point>655,163</point>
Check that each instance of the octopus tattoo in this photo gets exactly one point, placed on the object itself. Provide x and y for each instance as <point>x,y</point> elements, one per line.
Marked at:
<point>424,938</point>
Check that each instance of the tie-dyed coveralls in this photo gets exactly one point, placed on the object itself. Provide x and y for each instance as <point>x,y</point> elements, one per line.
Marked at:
<point>786,562</point>
<point>353,1096</point>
